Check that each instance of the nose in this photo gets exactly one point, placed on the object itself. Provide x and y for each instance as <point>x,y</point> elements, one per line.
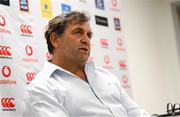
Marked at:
<point>85,39</point>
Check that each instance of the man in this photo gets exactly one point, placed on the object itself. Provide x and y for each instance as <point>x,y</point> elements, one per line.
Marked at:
<point>69,86</point>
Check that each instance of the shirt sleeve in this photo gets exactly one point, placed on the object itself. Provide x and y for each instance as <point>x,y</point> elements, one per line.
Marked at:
<point>40,102</point>
<point>131,107</point>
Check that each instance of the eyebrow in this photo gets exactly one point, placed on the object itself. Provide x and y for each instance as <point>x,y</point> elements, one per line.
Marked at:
<point>79,28</point>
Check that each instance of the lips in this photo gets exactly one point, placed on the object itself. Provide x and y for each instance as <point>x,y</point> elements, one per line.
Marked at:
<point>84,49</point>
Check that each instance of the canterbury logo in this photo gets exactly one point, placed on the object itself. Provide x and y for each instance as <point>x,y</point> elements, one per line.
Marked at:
<point>122,64</point>
<point>2,21</point>
<point>4,50</point>
<point>26,29</point>
<point>30,76</point>
<point>104,42</point>
<point>6,71</point>
<point>7,102</point>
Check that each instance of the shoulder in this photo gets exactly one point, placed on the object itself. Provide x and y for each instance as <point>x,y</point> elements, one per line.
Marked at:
<point>41,82</point>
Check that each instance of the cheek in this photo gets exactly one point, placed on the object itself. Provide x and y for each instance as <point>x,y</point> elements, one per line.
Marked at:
<point>73,46</point>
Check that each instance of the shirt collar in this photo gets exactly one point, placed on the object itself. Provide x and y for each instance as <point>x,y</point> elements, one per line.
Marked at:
<point>51,68</point>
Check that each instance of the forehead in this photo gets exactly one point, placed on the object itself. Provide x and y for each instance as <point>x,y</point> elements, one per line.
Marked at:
<point>82,25</point>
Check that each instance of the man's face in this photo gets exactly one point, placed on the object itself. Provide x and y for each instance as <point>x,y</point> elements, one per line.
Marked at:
<point>75,42</point>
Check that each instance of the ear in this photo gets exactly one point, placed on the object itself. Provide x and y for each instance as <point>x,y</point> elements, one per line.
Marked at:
<point>54,40</point>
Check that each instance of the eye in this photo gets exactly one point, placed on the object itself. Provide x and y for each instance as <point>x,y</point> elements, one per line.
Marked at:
<point>89,35</point>
<point>78,32</point>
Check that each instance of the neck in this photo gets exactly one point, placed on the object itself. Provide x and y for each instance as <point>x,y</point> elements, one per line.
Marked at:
<point>73,67</point>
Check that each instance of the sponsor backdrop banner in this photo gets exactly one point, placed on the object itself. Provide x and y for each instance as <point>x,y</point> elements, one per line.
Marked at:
<point>23,47</point>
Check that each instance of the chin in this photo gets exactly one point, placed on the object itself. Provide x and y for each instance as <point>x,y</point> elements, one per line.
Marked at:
<point>84,60</point>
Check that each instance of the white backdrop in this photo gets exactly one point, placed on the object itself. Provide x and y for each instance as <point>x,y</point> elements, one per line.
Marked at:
<point>23,47</point>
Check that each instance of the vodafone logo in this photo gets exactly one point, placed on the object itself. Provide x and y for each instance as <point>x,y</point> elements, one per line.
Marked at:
<point>119,42</point>
<point>30,76</point>
<point>107,62</point>
<point>6,71</point>
<point>104,42</point>
<point>5,51</point>
<point>114,3</point>
<point>2,21</point>
<point>7,102</point>
<point>29,50</point>
<point>2,24</point>
<point>124,79</point>
<point>26,29</point>
<point>106,59</point>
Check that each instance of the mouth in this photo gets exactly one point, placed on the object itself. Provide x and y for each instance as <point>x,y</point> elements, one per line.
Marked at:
<point>84,49</point>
